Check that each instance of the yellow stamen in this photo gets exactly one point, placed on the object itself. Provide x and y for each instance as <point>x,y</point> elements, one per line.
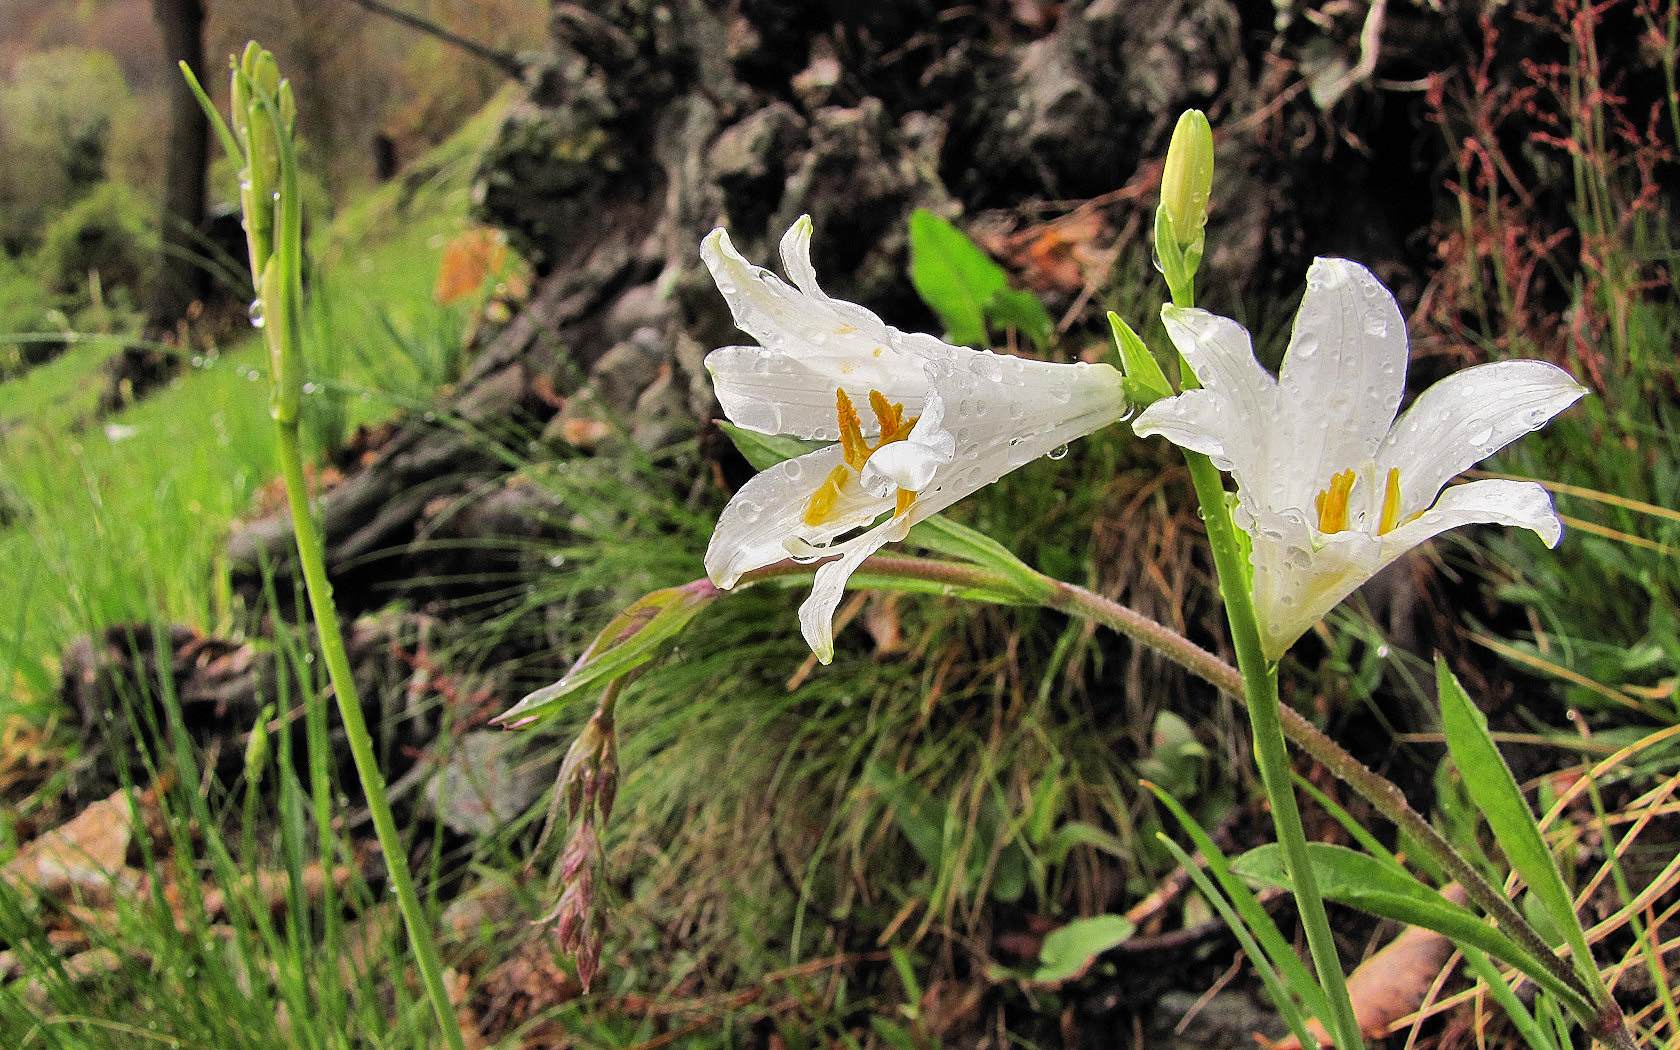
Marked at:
<point>886,413</point>
<point>821,505</point>
<point>1332,503</point>
<point>852,445</point>
<point>1391,503</point>
<point>855,450</point>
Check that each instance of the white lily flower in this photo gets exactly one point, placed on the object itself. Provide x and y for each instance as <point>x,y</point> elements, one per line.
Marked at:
<point>946,420</point>
<point>1331,487</point>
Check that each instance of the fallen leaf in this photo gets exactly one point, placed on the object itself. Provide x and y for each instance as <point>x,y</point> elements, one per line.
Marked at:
<point>468,261</point>
<point>584,433</point>
<point>87,853</point>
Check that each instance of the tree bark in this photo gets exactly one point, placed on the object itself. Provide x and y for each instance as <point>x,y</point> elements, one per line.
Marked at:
<point>180,279</point>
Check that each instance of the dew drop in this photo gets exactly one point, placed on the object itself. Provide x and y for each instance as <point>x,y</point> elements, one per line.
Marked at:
<point>256,313</point>
<point>1058,452</point>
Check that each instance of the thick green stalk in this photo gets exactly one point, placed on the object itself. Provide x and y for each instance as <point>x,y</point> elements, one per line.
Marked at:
<point>1270,753</point>
<point>312,560</point>
<point>277,266</point>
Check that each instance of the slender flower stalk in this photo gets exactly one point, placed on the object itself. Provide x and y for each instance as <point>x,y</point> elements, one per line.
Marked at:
<point>264,116</point>
<point>1381,793</point>
<point>1259,674</point>
<point>916,423</point>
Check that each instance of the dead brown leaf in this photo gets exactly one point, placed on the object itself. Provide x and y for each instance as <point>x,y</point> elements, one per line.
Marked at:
<point>584,433</point>
<point>468,261</point>
<point>87,853</point>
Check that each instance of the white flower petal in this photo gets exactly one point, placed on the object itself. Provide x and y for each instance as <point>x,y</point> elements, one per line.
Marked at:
<point>1467,417</point>
<point>816,615</point>
<point>1342,376</point>
<point>1295,586</point>
<point>754,529</point>
<point>1496,501</point>
<point>1199,420</point>
<point>1232,419</point>
<point>902,465</point>
<point>778,393</point>
<point>1220,351</point>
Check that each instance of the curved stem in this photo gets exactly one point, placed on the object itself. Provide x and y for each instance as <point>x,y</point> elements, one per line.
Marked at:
<point>1380,792</point>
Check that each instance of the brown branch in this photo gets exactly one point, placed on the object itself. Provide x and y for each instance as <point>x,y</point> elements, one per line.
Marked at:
<point>502,60</point>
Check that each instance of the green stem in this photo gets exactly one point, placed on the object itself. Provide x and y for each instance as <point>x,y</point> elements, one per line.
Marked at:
<point>313,562</point>
<point>1265,718</point>
<point>1379,791</point>
<point>1270,753</point>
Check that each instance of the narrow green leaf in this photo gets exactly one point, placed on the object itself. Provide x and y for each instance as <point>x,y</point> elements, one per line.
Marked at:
<point>953,276</point>
<point>1495,792</point>
<point>765,450</point>
<point>1255,917</point>
<point>1351,878</point>
<point>1286,1001</point>
<point>1024,312</point>
<point>630,639</point>
<point>1079,833</point>
<point>224,134</point>
<point>1069,948</point>
<point>944,536</point>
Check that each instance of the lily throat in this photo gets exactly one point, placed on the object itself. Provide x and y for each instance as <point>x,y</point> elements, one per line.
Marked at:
<point>856,450</point>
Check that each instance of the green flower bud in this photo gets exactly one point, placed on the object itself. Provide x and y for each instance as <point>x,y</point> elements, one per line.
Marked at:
<point>265,73</point>
<point>256,748</point>
<point>1187,179</point>
<point>288,107</point>
<point>239,92</point>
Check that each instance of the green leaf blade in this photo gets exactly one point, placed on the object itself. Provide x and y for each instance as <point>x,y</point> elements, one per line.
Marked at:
<point>1495,792</point>
<point>953,276</point>
<point>1070,948</point>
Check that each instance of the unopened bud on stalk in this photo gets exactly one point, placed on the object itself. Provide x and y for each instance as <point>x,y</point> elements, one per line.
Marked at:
<point>1187,179</point>
<point>1186,182</point>
<point>256,748</point>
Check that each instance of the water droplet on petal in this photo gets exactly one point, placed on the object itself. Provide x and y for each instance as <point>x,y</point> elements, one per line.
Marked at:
<point>1058,452</point>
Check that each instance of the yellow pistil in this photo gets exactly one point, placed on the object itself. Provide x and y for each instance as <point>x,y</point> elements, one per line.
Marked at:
<point>1332,503</point>
<point>821,506</point>
<point>905,499</point>
<point>852,445</point>
<point>1391,503</point>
